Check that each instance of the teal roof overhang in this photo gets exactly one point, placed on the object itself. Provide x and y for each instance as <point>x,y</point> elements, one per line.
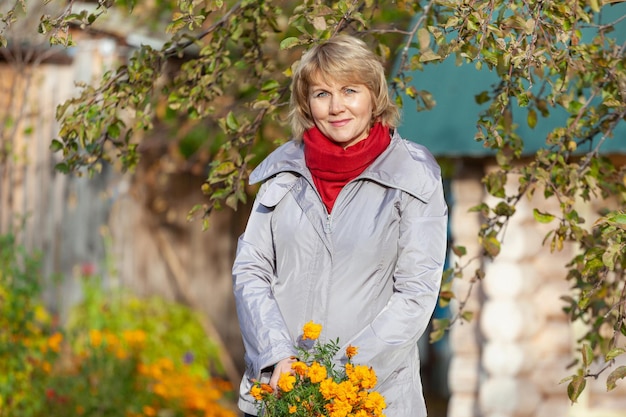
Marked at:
<point>448,129</point>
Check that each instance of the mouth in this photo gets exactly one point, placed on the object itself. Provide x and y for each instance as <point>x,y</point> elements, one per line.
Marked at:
<point>339,123</point>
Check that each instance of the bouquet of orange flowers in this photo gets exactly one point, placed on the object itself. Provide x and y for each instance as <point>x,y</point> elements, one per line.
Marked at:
<point>316,388</point>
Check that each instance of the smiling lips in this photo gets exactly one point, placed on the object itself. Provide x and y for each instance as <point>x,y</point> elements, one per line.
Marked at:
<point>339,123</point>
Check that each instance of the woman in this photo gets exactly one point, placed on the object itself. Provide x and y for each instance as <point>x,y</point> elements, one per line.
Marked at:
<point>348,230</point>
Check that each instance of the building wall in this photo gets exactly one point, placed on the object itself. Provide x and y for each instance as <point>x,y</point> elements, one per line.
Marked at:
<point>509,361</point>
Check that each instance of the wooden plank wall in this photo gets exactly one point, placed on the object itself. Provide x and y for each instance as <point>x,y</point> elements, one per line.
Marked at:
<point>38,204</point>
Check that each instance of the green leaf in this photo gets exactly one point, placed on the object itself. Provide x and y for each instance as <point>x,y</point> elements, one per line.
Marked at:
<point>576,387</point>
<point>437,335</point>
<point>440,323</point>
<point>114,130</point>
<point>445,295</point>
<point>574,106</point>
<point>429,55</point>
<point>542,217</point>
<point>261,104</point>
<point>290,42</point>
<point>224,168</point>
<point>411,91</point>
<point>618,218</point>
<point>491,246</point>
<point>531,118</point>
<point>56,145</point>
<point>587,353</point>
<point>481,98</point>
<point>523,99</point>
<point>175,26</point>
<point>423,37</point>
<point>614,376</point>
<point>467,316</point>
<point>439,329</point>
<point>495,183</point>
<point>482,208</point>
<point>608,257</point>
<point>62,167</point>
<point>613,353</point>
<point>459,251</point>
<point>593,265</point>
<point>447,273</point>
<point>595,5</point>
<point>231,201</point>
<point>504,209</point>
<point>270,85</point>
<point>583,302</point>
<point>231,121</point>
<point>220,194</point>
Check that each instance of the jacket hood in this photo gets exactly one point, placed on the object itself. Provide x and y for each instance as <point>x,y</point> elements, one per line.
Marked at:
<point>396,167</point>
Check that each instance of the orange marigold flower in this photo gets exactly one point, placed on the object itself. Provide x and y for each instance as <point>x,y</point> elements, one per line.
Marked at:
<point>95,336</point>
<point>267,388</point>
<point>166,364</point>
<point>286,381</point>
<point>311,331</point>
<point>111,339</point>
<point>299,368</point>
<point>54,342</point>
<point>120,353</point>
<point>292,409</point>
<point>351,351</point>
<point>374,402</point>
<point>328,388</point>
<point>347,391</point>
<point>256,392</point>
<point>143,369</point>
<point>361,375</point>
<point>149,411</point>
<point>159,389</point>
<point>339,408</point>
<point>134,338</point>
<point>317,373</point>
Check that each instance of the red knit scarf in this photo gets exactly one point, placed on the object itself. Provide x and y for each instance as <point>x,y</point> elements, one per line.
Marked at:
<point>332,166</point>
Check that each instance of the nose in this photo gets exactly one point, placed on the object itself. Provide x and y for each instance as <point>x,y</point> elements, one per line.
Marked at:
<point>336,104</point>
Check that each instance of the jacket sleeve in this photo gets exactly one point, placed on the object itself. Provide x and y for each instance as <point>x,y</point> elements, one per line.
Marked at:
<point>422,243</point>
<point>265,335</point>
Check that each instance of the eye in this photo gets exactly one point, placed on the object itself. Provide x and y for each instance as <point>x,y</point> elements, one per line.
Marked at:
<point>319,94</point>
<point>349,90</point>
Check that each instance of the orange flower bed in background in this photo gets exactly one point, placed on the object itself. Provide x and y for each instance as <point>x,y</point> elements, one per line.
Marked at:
<point>115,356</point>
<point>107,374</point>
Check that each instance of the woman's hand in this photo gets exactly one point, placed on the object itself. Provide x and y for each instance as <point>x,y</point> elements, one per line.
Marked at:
<point>280,368</point>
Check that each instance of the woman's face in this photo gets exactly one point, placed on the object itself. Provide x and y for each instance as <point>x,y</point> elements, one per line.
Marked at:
<point>342,112</point>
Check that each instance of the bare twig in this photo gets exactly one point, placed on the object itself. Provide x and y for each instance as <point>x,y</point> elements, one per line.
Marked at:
<point>411,34</point>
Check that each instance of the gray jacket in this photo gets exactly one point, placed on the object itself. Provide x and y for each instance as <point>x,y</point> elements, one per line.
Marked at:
<point>369,272</point>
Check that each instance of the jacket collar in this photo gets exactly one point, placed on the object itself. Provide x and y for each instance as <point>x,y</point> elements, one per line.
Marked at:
<point>403,165</point>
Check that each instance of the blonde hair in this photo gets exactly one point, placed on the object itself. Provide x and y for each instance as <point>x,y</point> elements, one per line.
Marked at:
<point>341,58</point>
